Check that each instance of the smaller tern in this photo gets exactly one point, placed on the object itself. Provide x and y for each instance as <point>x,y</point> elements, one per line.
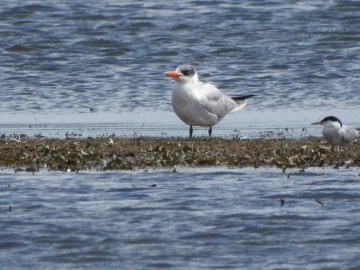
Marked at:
<point>200,104</point>
<point>335,132</point>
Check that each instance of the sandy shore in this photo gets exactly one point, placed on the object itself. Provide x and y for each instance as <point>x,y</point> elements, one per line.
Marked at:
<point>117,153</point>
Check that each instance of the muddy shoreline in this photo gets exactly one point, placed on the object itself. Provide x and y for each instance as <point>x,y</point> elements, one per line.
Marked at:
<point>119,153</point>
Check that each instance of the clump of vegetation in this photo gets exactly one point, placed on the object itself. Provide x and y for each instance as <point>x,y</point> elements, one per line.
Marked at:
<point>118,153</point>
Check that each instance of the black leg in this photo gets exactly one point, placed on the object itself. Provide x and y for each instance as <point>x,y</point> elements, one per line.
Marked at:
<point>191,131</point>
<point>210,131</point>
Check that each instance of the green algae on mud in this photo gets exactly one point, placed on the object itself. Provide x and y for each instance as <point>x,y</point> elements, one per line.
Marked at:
<point>119,153</point>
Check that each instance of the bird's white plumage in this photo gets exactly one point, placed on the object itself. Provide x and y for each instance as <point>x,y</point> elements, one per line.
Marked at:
<point>336,133</point>
<point>201,104</point>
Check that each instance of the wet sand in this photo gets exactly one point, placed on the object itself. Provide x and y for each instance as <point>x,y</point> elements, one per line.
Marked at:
<point>120,153</point>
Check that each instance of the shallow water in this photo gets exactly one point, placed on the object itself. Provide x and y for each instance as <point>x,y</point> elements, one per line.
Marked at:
<point>214,218</point>
<point>70,57</point>
<point>75,68</point>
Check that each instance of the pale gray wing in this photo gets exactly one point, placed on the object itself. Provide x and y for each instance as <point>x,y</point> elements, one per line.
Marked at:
<point>349,134</point>
<point>215,101</point>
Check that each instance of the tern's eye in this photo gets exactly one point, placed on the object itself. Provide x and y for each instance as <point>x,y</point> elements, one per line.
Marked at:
<point>186,72</point>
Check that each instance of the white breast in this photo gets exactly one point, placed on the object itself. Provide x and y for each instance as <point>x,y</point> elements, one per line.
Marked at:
<point>332,135</point>
<point>189,106</point>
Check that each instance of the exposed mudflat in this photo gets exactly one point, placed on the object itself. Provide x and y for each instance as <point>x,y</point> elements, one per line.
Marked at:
<point>119,153</point>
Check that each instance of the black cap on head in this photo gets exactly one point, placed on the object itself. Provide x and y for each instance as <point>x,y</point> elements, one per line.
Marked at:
<point>333,119</point>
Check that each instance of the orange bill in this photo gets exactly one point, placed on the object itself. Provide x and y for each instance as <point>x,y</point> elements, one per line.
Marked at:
<point>172,74</point>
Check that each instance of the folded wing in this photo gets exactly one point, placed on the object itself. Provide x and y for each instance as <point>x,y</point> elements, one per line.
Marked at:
<point>219,104</point>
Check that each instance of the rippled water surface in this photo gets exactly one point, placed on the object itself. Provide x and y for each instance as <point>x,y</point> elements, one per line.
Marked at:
<point>217,218</point>
<point>90,68</point>
<point>68,57</point>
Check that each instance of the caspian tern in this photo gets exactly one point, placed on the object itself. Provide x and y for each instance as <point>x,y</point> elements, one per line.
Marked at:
<point>335,132</point>
<point>200,104</point>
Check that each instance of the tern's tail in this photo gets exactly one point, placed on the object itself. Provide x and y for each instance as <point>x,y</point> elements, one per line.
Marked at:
<point>240,101</point>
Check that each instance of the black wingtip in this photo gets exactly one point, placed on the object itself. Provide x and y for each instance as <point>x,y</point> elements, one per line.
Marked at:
<point>242,97</point>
